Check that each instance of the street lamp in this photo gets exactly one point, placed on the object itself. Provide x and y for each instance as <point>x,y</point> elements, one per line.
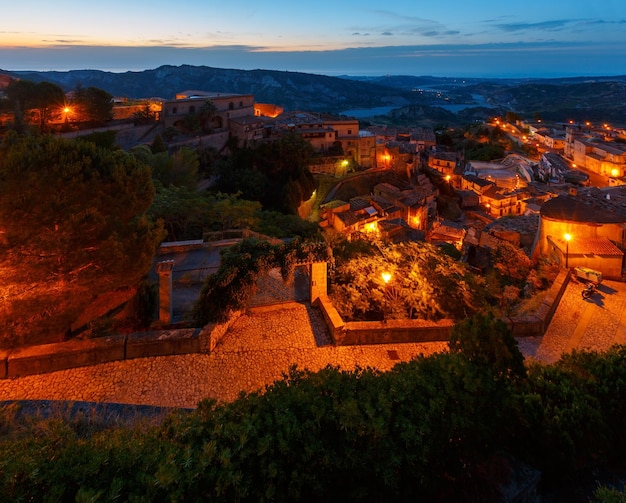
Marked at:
<point>567,239</point>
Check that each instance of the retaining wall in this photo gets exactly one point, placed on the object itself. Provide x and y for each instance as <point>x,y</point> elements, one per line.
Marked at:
<point>77,353</point>
<point>399,331</point>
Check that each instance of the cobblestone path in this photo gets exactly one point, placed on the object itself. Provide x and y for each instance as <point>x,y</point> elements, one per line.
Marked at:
<point>262,346</point>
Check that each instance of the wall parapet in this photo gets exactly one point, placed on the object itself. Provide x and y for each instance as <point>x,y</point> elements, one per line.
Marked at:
<point>74,353</point>
<point>84,352</point>
<point>400,331</point>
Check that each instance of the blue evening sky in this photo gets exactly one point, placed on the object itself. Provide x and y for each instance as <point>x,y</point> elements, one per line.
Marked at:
<point>460,38</point>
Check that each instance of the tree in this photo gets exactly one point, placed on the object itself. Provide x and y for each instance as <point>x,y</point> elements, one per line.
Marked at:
<point>229,212</point>
<point>48,99</point>
<point>95,105</point>
<point>44,97</point>
<point>276,174</point>
<point>145,115</point>
<point>425,283</point>
<point>511,269</point>
<point>487,341</point>
<point>206,113</point>
<point>74,224</point>
<point>158,145</point>
<point>232,286</point>
<point>179,169</point>
<point>188,213</point>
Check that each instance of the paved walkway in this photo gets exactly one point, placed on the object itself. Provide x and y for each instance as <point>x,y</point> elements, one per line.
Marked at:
<point>261,347</point>
<point>593,324</point>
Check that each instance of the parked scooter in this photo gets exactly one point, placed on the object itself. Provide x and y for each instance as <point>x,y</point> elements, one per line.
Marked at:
<point>589,290</point>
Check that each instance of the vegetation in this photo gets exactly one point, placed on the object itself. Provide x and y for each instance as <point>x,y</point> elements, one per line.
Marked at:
<point>74,225</point>
<point>276,174</point>
<point>94,105</point>
<point>423,283</point>
<point>232,286</point>
<point>44,98</point>
<point>449,427</point>
<point>477,142</point>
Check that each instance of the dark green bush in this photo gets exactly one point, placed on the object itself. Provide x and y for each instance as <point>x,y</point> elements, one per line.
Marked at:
<point>439,428</point>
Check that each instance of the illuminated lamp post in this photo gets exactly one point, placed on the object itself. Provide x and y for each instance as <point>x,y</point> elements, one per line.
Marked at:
<point>567,240</point>
<point>386,278</point>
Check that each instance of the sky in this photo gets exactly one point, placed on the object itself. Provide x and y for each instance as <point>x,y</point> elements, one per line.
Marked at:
<point>453,38</point>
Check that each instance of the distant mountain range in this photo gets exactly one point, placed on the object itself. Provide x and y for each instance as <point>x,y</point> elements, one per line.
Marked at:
<point>582,98</point>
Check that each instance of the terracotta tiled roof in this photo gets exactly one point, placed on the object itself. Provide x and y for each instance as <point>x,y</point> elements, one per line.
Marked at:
<point>599,246</point>
<point>589,207</point>
<point>349,218</point>
<point>593,247</point>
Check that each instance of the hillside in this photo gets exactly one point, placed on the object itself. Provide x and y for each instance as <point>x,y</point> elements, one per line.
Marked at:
<point>291,90</point>
<point>423,100</point>
<point>579,98</point>
<point>561,101</point>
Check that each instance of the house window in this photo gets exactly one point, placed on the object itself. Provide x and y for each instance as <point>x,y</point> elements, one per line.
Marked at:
<point>231,106</point>
<point>174,110</point>
<point>240,104</point>
<point>349,131</point>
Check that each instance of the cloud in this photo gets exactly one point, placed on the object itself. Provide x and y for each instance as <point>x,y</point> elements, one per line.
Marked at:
<point>430,33</point>
<point>554,25</point>
<point>358,34</point>
<point>62,41</point>
<point>456,60</point>
<point>387,33</point>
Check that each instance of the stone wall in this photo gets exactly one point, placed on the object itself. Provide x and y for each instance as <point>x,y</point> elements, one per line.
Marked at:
<point>212,333</point>
<point>399,331</point>
<point>77,353</point>
<point>535,325</point>
<point>379,332</point>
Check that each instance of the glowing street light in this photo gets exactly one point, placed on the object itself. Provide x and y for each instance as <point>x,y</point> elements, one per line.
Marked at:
<point>567,240</point>
<point>67,110</point>
<point>386,277</point>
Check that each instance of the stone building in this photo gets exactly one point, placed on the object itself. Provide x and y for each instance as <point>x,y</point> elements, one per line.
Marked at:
<point>228,106</point>
<point>585,228</point>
